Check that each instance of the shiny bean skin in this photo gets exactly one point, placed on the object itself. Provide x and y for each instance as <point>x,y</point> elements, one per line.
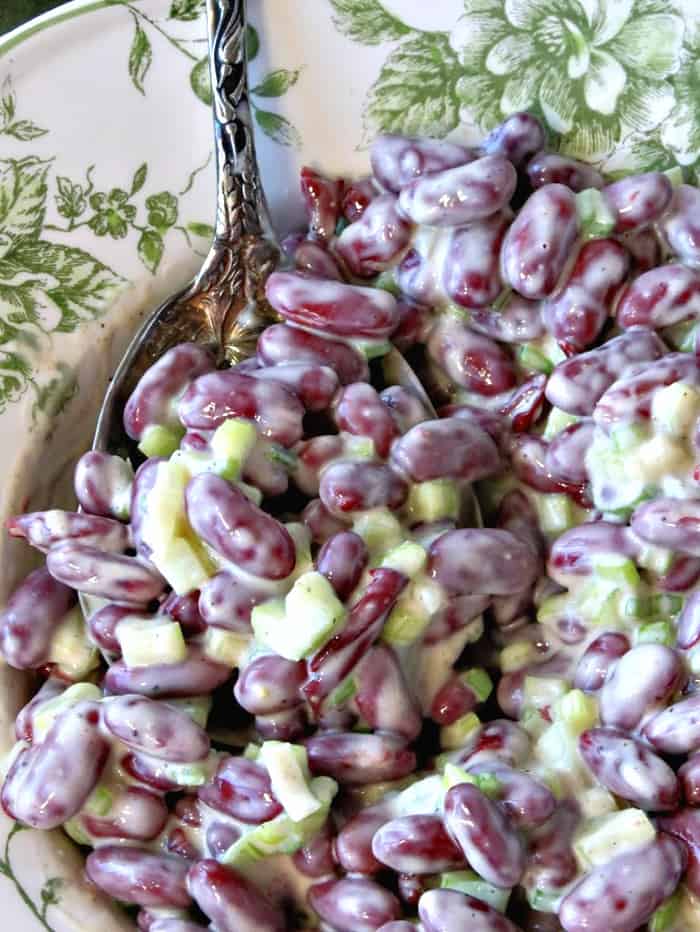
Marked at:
<point>281,343</point>
<point>151,771</point>
<point>470,359</point>
<point>214,398</point>
<point>638,200</point>
<point>143,484</point>
<point>449,910</point>
<point>398,160</point>
<point>474,561</point>
<point>528,461</point>
<point>46,529</point>
<point>241,788</point>
<point>684,825</point>
<point>539,241</point>
<point>629,769</point>
<point>311,258</point>
<point>399,925</point>
<point>110,576</point>
<point>484,834</point>
<point>451,448</point>
<point>322,198</point>
<point>416,844</point>
<point>231,901</point>
<point>102,482</point>
<point>358,194</point>
<point>321,523</point>
<point>688,624</point>
<point>153,401</point>
<point>519,321</point>
<point>573,552</point>
<point>156,729</point>
<point>49,782</point>
<point>679,226</point>
<point>661,297</point>
<point>525,403</point>
<point>353,843</point>
<point>577,384</point>
<point>24,723</point>
<point>314,386</point>
<point>288,725</point>
<point>342,560</point>
<point>551,168</point>
<point>135,875</point>
<point>312,456</point>
<point>682,576</point>
<point>31,616</point>
<point>373,242</point>
<point>516,138</point>
<point>136,815</point>
<point>195,676</point>
<point>352,757</point>
<point>175,925</point>
<point>220,837</point>
<point>237,529</point>
<point>332,307</point>
<point>598,659</point>
<point>453,700</point>
<point>644,677</point>
<point>350,486</point>
<point>644,249</point>
<point>525,800</point>
<point>495,425</point>
<point>669,522</point>
<point>315,859</point>
<point>676,729</point>
<point>459,612</point>
<point>566,453</point>
<point>185,610</point>
<point>383,696</point>
<point>227,602</point>
<point>689,776</point>
<point>471,272</point>
<point>359,410</point>
<point>418,275</point>
<point>353,904</point>
<point>499,740</point>
<point>269,684</point>
<point>413,323</point>
<point>517,515</point>
<point>406,409</point>
<point>620,895</point>
<point>551,863</point>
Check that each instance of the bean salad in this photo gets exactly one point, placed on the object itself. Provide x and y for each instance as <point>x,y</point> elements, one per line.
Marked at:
<point>319,687</point>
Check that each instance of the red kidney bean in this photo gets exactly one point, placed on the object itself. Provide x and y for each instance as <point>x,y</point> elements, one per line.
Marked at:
<point>499,740</point>
<point>373,242</point>
<point>358,194</point>
<point>551,168</point>
<point>525,800</point>
<point>329,666</point>
<point>516,138</point>
<point>418,275</point>
<point>194,676</point>
<point>185,610</point>
<point>661,297</point>
<point>237,529</point>
<point>189,811</point>
<point>153,401</point>
<point>311,258</point>
<point>528,460</point>
<point>135,875</point>
<point>453,700</point>
<point>629,769</point>
<point>684,825</point>
<point>353,904</point>
<point>352,757</point>
<point>150,771</point>
<point>689,776</point>
<point>231,901</point>
<point>49,782</point>
<point>676,729</point>
<point>350,486</point>
<point>510,693</point>
<point>644,249</point>
<point>227,602</point>
<point>679,225</point>
<point>519,321</point>
<point>455,615</point>
<point>669,522</point>
<point>24,723</point>
<point>411,887</point>
<point>644,677</point>
<point>342,560</point>
<point>288,725</point>
<point>383,697</point>
<point>260,470</point>
<point>598,659</point>
<point>472,360</point>
<point>683,575</point>
<point>312,456</point>
<point>551,861</point>
<point>449,910</point>
<point>450,448</point>
<point>281,343</point>
<point>688,624</point>
<point>332,307</point>
<point>322,198</point>
<point>241,788</point>
<point>413,323</point>
<point>33,612</point>
<point>405,408</point>
<point>566,453</point>
<point>359,410</point>
<point>492,422</point>
<point>269,684</point>
<point>214,398</point>
<point>577,384</point>
<point>315,859</point>
<point>156,729</point>
<point>638,200</point>
<point>575,315</point>
<point>488,562</point>
<point>102,482</point>
<point>136,815</point>
<point>417,844</point>
<point>539,241</point>
<point>622,894</point>
<point>109,576</point>
<point>142,487</point>
<point>178,843</point>
<point>517,515</point>
<point>471,270</point>
<point>314,386</point>
<point>485,836</point>
<point>525,403</point>
<point>46,529</point>
<point>397,160</point>
<point>353,844</point>
<point>321,523</point>
<point>574,551</point>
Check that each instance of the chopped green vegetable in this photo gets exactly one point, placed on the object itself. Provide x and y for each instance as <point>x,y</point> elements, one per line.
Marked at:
<point>473,885</point>
<point>557,421</point>
<point>531,357</point>
<point>48,711</point>
<point>380,530</point>
<point>408,558</point>
<point>577,710</point>
<point>433,500</point>
<point>160,441</point>
<point>595,217</point>
<point>453,736</point>
<point>479,682</point>
<point>70,648</point>
<point>147,641</point>
<point>666,915</point>
<point>541,691</point>
<point>616,569</point>
<point>99,801</point>
<point>599,840</point>
<point>288,768</point>
<point>656,632</point>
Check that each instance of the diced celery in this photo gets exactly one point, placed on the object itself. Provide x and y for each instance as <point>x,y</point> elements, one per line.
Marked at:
<point>50,710</point>
<point>408,558</point>
<point>231,443</point>
<point>302,547</point>
<point>195,774</point>
<point>74,830</point>
<point>372,349</point>
<point>675,408</point>
<point>185,564</point>
<point>627,436</point>
<point>251,492</point>
<point>251,751</point>
<point>479,682</point>
<point>380,530</point>
<point>473,885</point>
<point>656,632</point>
<point>661,457</point>
<point>343,693</point>
<point>577,710</point>
<point>288,768</point>
<point>598,602</point>
<point>70,648</point>
<point>157,440</point>
<point>99,802</point>
<point>145,642</point>
<point>655,559</point>
<point>421,797</point>
<point>690,339</point>
<point>531,357</point>
<point>664,918</point>
<point>616,569</point>
<point>387,282</point>
<point>557,748</point>
<point>224,646</point>
<point>556,512</point>
<point>358,448</point>
<point>533,723</point>
<point>600,840</point>
<point>541,691</point>
<point>453,736</point>
<point>557,421</point>
<point>489,785</point>
<point>197,707</point>
<point>282,456</point>
<point>553,608</point>
<point>675,176</point>
<point>693,660</point>
<point>406,622</point>
<point>681,336</point>
<point>491,492</point>
<point>595,217</point>
<point>433,500</point>
<point>596,802</point>
<point>544,901</point>
<point>376,792</point>
<point>517,655</point>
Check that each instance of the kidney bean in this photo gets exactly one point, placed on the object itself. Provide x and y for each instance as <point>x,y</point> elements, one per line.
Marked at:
<point>459,612</point>
<point>418,275</point>
<point>269,684</point>
<point>551,168</point>
<point>45,529</point>
<point>173,925</point>
<point>136,815</point>
<point>413,323</point>
<point>241,788</point>
<point>353,844</point>
<point>214,398</point>
<point>525,800</point>
<point>516,138</point>
<point>194,676</point>
<point>372,243</point>
<point>416,844</point>
<point>577,384</point>
<point>350,486</point>
<point>332,307</point>
<point>321,523</point>
<point>598,659</point>
<point>352,757</point>
<point>551,864</point>
<point>32,614</point>
<point>231,901</point>
<point>315,859</point>
<point>314,386</point>
<point>539,241</point>
<point>638,200</point>
<point>358,194</point>
<point>281,343</point>
<point>679,225</point>
<point>669,522</point>
<point>156,729</point>
<point>154,400</point>
<point>566,454</point>
<point>135,875</point>
<point>495,424</point>
<point>689,776</point>
<point>528,460</point>
<point>287,725</point>
<point>644,249</point>
<point>519,321</point>
<point>472,360</point>
<point>573,552</point>
<point>661,297</point>
<point>107,575</point>
<point>141,489</point>
<point>359,410</point>
<point>676,729</point>
<point>683,575</point>
<point>48,783</point>
<point>398,160</point>
<point>237,529</point>
<point>353,904</point>
<point>474,561</point>
<point>620,895</point>
<point>453,700</point>
<point>189,811</point>
<point>644,677</point>
<point>471,271</point>
<point>24,722</point>
<point>312,456</point>
<point>102,484</point>
<point>688,624</point>
<point>311,258</point>
<point>383,697</point>
<point>450,448</point>
<point>342,560</point>
<point>448,910</point>
<point>150,771</point>
<point>227,602</point>
<point>178,843</point>
<point>322,198</point>
<point>499,740</point>
<point>405,408</point>
<point>629,769</point>
<point>185,610</point>
<point>411,887</point>
<point>684,825</point>
<point>510,693</point>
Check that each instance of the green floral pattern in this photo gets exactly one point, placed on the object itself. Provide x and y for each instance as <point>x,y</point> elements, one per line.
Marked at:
<point>50,894</point>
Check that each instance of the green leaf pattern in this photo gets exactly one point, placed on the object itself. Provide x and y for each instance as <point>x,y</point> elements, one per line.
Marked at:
<point>140,56</point>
